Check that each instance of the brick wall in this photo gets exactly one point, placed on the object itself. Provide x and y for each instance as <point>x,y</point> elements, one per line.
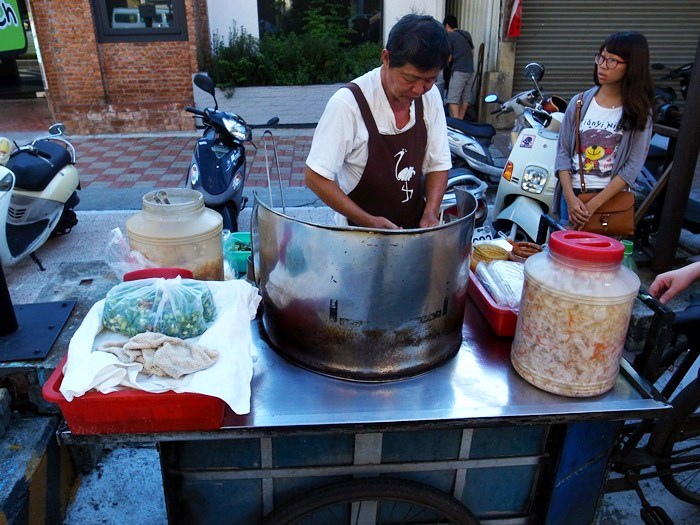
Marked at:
<point>116,87</point>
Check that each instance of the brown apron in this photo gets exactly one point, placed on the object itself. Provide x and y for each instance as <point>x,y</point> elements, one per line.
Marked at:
<point>391,184</point>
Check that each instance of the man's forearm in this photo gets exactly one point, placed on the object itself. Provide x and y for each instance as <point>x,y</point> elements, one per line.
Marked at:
<point>435,184</point>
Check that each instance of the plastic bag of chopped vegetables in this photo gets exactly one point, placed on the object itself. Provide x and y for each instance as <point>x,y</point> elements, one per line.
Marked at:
<point>175,307</point>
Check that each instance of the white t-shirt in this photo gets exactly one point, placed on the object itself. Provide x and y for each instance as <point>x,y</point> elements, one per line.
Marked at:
<point>339,149</point>
<point>601,133</point>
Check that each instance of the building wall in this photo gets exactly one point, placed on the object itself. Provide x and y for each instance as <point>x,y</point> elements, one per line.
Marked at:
<point>97,87</point>
<point>222,14</point>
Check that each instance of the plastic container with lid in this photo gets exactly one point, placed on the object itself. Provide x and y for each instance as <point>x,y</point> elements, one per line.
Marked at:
<point>575,309</point>
<point>175,229</point>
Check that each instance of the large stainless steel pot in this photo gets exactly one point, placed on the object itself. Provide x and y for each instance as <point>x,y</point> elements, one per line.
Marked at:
<point>358,303</point>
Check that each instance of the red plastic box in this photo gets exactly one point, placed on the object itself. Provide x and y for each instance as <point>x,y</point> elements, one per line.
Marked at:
<point>502,320</point>
<point>134,411</point>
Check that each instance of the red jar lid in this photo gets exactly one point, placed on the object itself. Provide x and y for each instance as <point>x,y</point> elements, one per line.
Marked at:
<point>586,246</point>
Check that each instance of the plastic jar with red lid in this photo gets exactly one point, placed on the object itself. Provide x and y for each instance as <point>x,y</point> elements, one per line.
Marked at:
<point>574,313</point>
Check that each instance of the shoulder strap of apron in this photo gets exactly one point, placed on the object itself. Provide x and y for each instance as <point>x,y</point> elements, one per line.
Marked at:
<point>364,108</point>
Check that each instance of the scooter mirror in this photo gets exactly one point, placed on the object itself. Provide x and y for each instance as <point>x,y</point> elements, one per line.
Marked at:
<point>491,98</point>
<point>57,129</point>
<point>534,71</point>
<point>204,82</point>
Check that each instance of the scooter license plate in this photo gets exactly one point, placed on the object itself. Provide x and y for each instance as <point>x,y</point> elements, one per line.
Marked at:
<point>482,233</point>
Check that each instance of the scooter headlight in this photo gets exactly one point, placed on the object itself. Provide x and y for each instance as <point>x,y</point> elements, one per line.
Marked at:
<point>237,180</point>
<point>194,174</point>
<point>534,179</point>
<point>6,183</point>
<point>237,130</point>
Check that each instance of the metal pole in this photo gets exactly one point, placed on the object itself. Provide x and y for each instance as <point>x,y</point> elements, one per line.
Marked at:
<point>681,177</point>
<point>8,320</point>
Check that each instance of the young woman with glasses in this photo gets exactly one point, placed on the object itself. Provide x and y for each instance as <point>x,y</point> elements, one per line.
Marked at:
<point>615,128</point>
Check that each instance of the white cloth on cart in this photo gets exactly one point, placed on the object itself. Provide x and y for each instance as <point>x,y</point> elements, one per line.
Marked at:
<point>230,334</point>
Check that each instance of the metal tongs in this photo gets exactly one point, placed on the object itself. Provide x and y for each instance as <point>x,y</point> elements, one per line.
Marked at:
<point>268,136</point>
<point>161,197</point>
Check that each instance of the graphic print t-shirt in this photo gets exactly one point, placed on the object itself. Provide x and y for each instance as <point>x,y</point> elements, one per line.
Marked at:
<point>601,133</point>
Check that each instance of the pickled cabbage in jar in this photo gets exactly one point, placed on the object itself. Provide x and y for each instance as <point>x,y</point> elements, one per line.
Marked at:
<point>574,315</point>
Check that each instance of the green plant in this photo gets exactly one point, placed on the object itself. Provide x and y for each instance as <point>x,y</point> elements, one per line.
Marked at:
<point>321,54</point>
<point>236,62</point>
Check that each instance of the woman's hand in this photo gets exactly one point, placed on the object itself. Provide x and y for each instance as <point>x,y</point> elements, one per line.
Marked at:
<point>578,212</point>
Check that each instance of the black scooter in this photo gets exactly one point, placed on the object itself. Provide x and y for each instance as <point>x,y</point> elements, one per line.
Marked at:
<point>218,167</point>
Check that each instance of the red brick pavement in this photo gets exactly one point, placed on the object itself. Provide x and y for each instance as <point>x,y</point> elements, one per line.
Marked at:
<point>152,161</point>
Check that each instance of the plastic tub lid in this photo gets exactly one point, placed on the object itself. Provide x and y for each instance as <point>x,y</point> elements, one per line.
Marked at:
<point>586,246</point>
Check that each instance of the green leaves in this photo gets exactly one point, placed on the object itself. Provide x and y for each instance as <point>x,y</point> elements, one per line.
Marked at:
<point>321,55</point>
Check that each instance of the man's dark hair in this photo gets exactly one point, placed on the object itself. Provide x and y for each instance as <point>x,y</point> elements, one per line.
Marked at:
<point>418,40</point>
<point>450,20</point>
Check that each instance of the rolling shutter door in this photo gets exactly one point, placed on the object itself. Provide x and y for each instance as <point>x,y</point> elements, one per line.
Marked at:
<point>564,35</point>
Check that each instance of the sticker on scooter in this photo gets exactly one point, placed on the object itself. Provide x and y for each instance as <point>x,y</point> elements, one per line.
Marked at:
<point>527,142</point>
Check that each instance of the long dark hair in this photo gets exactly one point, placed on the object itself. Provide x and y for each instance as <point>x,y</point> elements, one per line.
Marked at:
<point>637,86</point>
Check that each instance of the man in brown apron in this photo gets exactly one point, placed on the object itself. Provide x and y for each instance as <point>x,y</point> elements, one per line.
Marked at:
<point>380,155</point>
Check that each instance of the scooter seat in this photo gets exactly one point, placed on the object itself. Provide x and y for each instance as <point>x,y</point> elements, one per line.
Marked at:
<point>479,131</point>
<point>34,170</point>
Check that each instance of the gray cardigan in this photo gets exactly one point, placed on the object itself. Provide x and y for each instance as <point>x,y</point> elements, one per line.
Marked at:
<point>630,154</point>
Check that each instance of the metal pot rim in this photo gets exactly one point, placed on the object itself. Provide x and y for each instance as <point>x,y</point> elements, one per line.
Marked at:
<point>412,231</point>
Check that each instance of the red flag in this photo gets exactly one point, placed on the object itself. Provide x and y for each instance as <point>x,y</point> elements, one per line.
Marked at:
<point>516,15</point>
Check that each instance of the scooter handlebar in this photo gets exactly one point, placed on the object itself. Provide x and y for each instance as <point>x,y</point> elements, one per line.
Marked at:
<point>196,111</point>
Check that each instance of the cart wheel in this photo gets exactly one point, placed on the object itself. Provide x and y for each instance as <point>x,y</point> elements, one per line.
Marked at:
<point>677,441</point>
<point>371,501</point>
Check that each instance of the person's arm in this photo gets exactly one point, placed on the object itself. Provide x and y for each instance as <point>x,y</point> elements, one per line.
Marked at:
<point>563,167</point>
<point>437,159</point>
<point>616,185</point>
<point>435,185</point>
<point>578,211</point>
<point>629,171</point>
<point>667,285</point>
<point>331,194</point>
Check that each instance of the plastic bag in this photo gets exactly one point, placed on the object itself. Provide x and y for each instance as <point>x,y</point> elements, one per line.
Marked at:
<point>176,307</point>
<point>121,258</point>
<point>504,280</point>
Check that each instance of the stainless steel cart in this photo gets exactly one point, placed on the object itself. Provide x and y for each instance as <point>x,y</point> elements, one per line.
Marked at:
<point>472,429</point>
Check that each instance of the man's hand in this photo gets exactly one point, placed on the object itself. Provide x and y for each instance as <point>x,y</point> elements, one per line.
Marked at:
<point>429,219</point>
<point>379,222</point>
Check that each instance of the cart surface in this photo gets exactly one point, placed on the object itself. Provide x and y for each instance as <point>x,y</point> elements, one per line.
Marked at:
<point>472,427</point>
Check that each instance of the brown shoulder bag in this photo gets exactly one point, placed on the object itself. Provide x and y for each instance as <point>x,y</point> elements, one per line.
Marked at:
<point>616,215</point>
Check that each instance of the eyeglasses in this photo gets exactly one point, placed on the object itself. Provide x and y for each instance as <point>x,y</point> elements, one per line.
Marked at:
<point>610,63</point>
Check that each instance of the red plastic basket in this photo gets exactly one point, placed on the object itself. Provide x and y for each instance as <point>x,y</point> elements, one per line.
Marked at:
<point>134,411</point>
<point>502,320</point>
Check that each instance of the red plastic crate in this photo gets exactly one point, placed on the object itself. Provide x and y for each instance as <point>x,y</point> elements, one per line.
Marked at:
<point>502,320</point>
<point>134,411</point>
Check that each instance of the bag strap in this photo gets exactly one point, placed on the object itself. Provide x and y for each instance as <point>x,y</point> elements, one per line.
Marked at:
<point>579,103</point>
<point>467,37</point>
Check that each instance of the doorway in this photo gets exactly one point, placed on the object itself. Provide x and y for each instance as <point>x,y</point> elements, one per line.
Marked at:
<point>20,76</point>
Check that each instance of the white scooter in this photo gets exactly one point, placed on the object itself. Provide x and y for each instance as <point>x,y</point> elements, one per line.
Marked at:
<point>527,184</point>
<point>38,191</point>
<point>470,142</point>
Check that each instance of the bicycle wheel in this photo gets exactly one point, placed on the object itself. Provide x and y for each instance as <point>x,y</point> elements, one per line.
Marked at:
<point>373,501</point>
<point>677,441</point>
